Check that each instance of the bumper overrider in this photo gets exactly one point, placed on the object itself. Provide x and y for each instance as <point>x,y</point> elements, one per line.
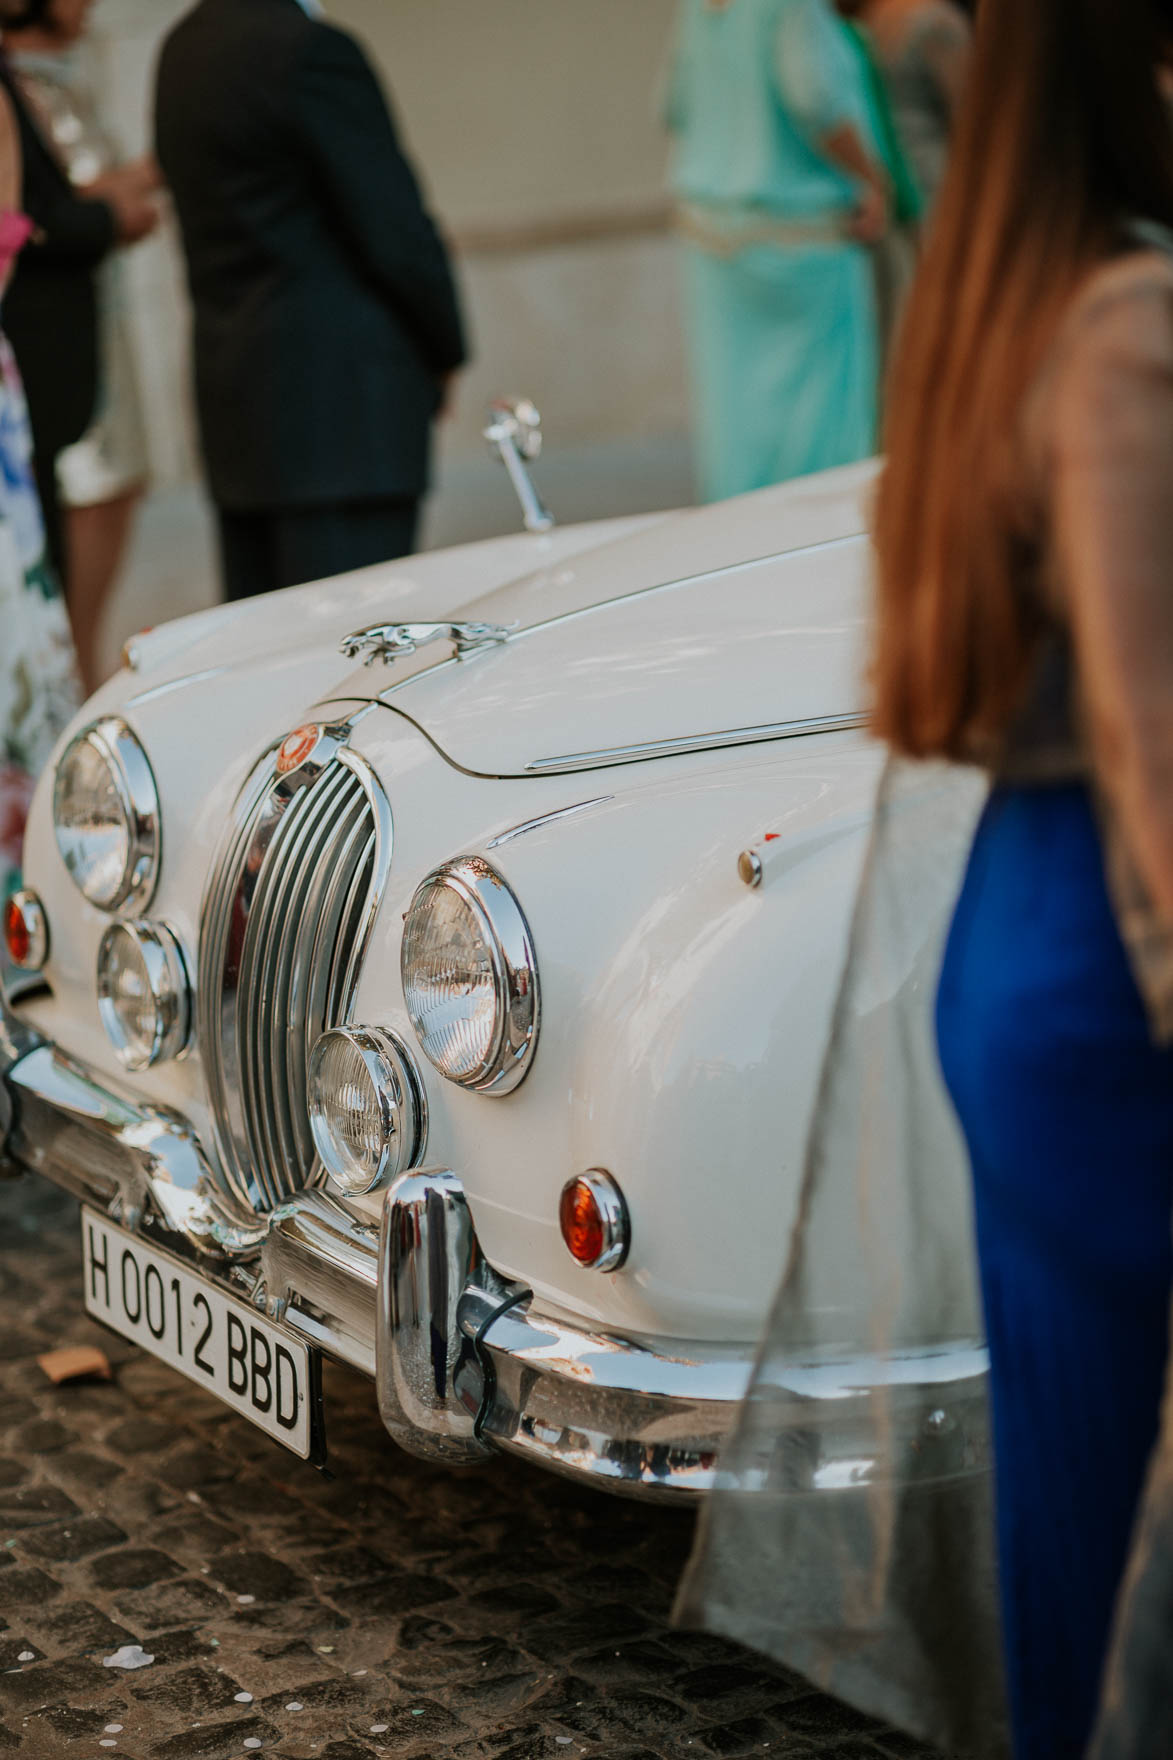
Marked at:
<point>464,1362</point>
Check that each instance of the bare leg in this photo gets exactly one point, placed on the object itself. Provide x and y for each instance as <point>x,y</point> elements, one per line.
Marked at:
<point>97,539</point>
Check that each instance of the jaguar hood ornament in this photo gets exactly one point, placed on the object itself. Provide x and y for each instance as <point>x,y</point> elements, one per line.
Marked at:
<point>391,641</point>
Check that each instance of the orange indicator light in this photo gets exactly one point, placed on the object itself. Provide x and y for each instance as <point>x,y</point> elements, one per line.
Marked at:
<point>594,1222</point>
<point>26,935</point>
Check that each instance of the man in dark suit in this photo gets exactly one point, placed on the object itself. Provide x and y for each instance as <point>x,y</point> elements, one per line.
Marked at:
<point>326,320</point>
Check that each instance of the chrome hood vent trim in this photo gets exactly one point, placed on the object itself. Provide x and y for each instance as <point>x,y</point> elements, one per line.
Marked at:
<point>285,923</point>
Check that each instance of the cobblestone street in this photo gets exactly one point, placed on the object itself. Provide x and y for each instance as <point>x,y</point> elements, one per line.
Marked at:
<point>394,1610</point>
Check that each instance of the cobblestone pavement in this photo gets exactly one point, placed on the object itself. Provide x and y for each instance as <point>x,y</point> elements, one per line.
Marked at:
<point>394,1610</point>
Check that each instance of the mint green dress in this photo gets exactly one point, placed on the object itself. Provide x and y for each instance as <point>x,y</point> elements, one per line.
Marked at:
<point>780,304</point>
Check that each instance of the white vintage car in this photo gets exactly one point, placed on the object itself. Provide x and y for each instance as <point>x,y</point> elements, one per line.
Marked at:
<point>436,965</point>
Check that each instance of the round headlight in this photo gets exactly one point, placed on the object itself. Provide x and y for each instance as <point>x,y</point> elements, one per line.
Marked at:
<point>470,978</point>
<point>106,816</point>
<point>366,1107</point>
<point>144,997</point>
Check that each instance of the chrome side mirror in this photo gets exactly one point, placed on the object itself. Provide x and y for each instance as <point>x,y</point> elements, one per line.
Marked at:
<point>514,432</point>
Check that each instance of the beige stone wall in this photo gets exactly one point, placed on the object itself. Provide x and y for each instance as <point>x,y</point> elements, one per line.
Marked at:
<point>534,128</point>
<point>525,109</point>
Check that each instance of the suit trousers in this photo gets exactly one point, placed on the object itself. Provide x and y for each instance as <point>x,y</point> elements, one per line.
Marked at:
<point>261,552</point>
<point>56,549</point>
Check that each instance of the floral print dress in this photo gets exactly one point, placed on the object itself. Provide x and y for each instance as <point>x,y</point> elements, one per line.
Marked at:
<point>39,687</point>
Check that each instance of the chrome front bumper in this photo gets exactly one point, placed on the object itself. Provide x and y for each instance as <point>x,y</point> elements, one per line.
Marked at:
<point>464,1363</point>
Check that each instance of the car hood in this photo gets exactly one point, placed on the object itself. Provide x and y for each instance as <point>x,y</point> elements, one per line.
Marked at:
<point>725,623</point>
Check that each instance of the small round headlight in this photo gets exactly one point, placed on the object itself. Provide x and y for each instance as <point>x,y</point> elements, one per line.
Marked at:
<point>144,997</point>
<point>106,817</point>
<point>470,977</point>
<point>366,1107</point>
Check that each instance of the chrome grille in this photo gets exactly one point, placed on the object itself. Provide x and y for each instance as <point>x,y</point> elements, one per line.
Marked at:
<point>284,926</point>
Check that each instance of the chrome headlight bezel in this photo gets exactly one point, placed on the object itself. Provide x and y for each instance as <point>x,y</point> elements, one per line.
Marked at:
<point>401,1101</point>
<point>509,943</point>
<point>133,782</point>
<point>168,985</point>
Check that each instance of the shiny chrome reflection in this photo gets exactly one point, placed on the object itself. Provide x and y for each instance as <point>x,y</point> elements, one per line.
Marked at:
<point>464,1362</point>
<point>698,742</point>
<point>318,1274</point>
<point>392,641</point>
<point>286,919</point>
<point>133,782</point>
<point>514,432</point>
<point>164,972</point>
<point>398,1095</point>
<point>529,825</point>
<point>430,1380</point>
<point>127,1157</point>
<point>515,973</point>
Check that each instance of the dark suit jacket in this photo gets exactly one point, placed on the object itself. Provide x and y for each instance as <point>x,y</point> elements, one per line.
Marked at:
<point>50,309</point>
<point>325,311</point>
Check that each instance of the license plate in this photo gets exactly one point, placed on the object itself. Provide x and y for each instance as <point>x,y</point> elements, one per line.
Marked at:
<point>262,1371</point>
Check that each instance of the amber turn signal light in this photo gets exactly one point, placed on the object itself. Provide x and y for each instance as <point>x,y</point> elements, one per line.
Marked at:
<point>594,1221</point>
<point>26,931</point>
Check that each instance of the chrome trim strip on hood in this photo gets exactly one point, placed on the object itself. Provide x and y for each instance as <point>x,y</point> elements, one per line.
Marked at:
<point>546,819</point>
<point>697,742</point>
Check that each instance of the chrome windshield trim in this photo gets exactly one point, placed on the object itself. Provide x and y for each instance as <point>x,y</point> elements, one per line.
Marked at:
<point>547,819</point>
<point>697,742</point>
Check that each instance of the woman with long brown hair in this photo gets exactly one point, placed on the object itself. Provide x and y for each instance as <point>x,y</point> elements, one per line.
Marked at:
<point>1023,679</point>
<point>1025,547</point>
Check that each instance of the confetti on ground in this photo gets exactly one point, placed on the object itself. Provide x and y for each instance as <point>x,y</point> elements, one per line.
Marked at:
<point>245,1600</point>
<point>294,1705</point>
<point>243,1698</point>
<point>82,1362</point>
<point>378,1729</point>
<point>27,1656</point>
<point>113,1729</point>
<point>129,1656</point>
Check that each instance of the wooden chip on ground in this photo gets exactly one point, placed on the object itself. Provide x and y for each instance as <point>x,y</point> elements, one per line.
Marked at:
<point>76,1362</point>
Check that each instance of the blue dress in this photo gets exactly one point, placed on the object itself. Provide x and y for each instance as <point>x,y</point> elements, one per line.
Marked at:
<point>780,305</point>
<point>1066,1103</point>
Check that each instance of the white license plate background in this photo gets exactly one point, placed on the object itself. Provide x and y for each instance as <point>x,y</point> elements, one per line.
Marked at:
<point>223,1345</point>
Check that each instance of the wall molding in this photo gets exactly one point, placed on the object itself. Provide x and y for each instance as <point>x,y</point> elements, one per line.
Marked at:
<point>556,231</point>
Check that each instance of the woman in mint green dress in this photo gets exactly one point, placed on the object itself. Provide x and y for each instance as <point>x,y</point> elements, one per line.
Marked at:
<point>780,191</point>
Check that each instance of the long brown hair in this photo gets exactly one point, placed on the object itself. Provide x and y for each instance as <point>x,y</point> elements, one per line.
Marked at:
<point>1063,137</point>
